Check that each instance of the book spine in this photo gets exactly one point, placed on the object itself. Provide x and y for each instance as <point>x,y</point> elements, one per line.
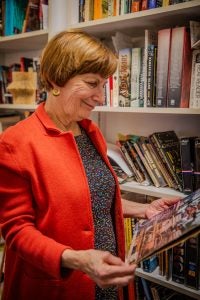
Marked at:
<point>186,73</point>
<point>178,261</point>
<point>147,179</point>
<point>170,147</point>
<point>135,76</point>
<point>154,171</point>
<point>140,152</point>
<point>197,164</point>
<point>164,42</point>
<point>158,163</point>
<point>150,40</point>
<point>192,264</point>
<point>186,164</point>
<point>138,173</point>
<point>150,76</point>
<point>195,80</point>
<point>81,15</point>
<point>136,5</point>
<point>142,79</point>
<point>151,4</point>
<point>179,56</point>
<point>167,173</point>
<point>97,9</point>
<point>126,157</point>
<point>116,88</point>
<point>124,76</point>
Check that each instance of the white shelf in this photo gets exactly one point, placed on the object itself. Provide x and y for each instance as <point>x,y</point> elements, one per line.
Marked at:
<point>139,110</point>
<point>33,40</point>
<point>135,23</point>
<point>19,107</point>
<point>149,110</point>
<point>156,278</point>
<point>136,187</point>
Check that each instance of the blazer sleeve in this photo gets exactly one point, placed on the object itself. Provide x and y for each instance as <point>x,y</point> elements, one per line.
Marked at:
<point>17,217</point>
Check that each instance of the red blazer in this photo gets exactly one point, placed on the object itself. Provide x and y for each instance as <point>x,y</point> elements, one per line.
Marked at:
<point>45,207</point>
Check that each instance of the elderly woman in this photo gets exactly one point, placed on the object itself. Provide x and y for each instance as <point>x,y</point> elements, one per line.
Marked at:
<point>61,210</point>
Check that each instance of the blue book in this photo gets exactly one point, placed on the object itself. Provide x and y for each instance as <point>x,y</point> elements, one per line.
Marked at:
<point>152,4</point>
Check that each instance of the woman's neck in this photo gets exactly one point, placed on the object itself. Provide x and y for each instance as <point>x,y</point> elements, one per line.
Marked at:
<point>62,123</point>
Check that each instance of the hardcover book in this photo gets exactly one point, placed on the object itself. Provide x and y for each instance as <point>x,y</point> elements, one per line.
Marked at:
<point>187,163</point>
<point>169,146</point>
<point>197,163</point>
<point>194,101</point>
<point>178,265</point>
<point>124,77</point>
<point>192,264</point>
<point>164,44</point>
<point>166,229</point>
<point>179,68</point>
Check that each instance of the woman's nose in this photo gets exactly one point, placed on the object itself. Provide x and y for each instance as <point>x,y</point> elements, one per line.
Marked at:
<point>100,95</point>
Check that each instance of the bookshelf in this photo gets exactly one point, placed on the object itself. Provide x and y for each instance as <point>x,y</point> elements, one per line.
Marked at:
<point>140,121</point>
<point>156,278</point>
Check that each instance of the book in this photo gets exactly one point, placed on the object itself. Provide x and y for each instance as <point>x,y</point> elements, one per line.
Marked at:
<point>151,159</point>
<point>178,265</point>
<point>115,84</point>
<point>151,75</point>
<point>88,10</point>
<point>194,101</point>
<point>192,262</point>
<point>179,68</point>
<point>166,229</point>
<point>163,54</point>
<point>187,163</point>
<point>150,41</point>
<point>195,34</point>
<point>127,157</point>
<point>81,12</point>
<point>136,5</point>
<point>135,76</point>
<point>100,9</point>
<point>169,148</point>
<point>115,154</point>
<point>14,16</point>
<point>32,17</point>
<point>124,76</point>
<point>137,161</point>
<point>197,163</point>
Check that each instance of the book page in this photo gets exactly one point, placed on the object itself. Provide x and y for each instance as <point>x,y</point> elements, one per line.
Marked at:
<point>166,228</point>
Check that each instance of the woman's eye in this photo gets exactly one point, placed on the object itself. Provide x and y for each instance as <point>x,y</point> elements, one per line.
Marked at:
<point>92,84</point>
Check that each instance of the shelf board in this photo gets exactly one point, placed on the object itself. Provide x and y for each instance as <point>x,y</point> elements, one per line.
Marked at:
<point>19,107</point>
<point>150,190</point>
<point>33,40</point>
<point>149,110</point>
<point>141,110</point>
<point>156,278</point>
<point>135,23</point>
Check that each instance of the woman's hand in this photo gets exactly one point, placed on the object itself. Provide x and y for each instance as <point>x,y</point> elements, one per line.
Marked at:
<point>101,266</point>
<point>159,205</point>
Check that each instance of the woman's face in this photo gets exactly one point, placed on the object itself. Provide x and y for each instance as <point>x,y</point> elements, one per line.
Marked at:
<point>81,94</point>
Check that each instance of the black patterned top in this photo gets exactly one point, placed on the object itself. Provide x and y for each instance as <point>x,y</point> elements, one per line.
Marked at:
<point>102,190</point>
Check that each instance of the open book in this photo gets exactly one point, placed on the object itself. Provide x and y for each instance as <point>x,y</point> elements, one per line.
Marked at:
<point>166,229</point>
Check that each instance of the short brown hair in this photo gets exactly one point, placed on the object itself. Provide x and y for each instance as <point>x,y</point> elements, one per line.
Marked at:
<point>70,53</point>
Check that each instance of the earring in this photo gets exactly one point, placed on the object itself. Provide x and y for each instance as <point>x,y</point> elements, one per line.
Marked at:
<point>56,92</point>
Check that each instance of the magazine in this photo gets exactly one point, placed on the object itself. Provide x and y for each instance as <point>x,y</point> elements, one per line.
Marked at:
<point>166,229</point>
